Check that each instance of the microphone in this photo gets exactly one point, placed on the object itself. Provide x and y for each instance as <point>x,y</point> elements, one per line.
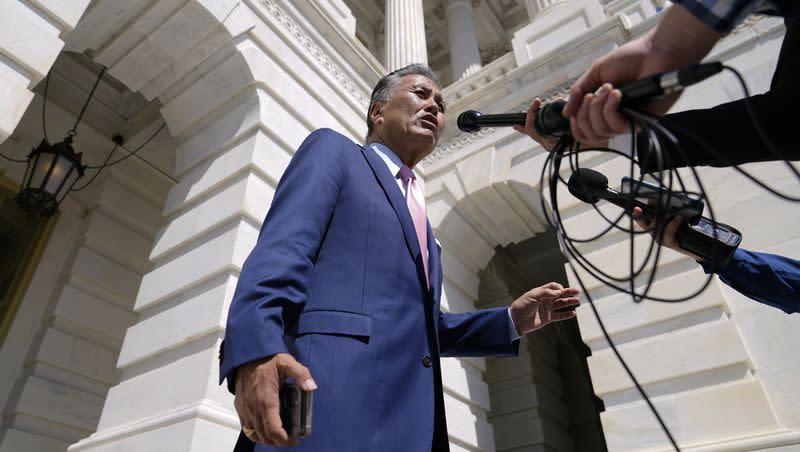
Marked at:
<point>549,121</point>
<point>713,241</point>
<point>591,186</point>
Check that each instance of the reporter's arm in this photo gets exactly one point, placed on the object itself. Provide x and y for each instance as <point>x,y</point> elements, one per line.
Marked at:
<point>679,40</point>
<point>766,278</point>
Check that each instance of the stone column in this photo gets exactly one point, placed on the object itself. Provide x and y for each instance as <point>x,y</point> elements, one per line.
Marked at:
<point>538,7</point>
<point>465,57</point>
<point>405,33</point>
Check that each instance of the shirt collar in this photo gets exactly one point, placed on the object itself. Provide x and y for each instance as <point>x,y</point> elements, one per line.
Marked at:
<point>389,157</point>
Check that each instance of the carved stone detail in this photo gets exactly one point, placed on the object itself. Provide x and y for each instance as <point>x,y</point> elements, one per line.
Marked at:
<point>313,50</point>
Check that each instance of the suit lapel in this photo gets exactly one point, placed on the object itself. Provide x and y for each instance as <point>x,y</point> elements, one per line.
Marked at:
<point>389,185</point>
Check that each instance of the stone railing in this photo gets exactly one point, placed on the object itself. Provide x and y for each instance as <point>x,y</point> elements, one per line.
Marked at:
<point>487,74</point>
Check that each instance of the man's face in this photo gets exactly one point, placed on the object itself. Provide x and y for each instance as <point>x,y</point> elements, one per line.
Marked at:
<point>412,120</point>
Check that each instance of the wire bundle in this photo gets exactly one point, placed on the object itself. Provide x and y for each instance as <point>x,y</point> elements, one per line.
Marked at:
<point>657,138</point>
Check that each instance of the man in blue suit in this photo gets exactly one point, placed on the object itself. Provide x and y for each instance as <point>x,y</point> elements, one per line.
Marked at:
<point>341,292</point>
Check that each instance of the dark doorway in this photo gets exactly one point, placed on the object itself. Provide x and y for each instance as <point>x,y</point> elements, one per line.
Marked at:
<point>543,400</point>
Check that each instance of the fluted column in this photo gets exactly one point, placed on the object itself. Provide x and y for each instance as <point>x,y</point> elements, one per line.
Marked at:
<point>405,33</point>
<point>465,57</point>
<point>538,7</point>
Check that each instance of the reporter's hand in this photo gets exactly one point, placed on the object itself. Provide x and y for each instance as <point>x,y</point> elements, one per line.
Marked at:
<point>593,108</point>
<point>547,143</point>
<point>537,307</point>
<point>667,237</point>
<point>530,130</point>
<point>257,387</point>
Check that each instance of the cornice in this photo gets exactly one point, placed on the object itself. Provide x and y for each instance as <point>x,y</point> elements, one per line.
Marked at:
<point>307,45</point>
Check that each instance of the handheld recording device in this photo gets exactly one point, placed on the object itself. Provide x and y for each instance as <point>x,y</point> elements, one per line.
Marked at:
<point>714,242</point>
<point>677,203</point>
<point>296,410</point>
<point>591,186</point>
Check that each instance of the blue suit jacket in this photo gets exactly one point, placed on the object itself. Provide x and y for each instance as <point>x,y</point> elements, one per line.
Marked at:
<point>336,279</point>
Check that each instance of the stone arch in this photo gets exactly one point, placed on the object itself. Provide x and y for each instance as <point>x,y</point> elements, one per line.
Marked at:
<point>240,84</point>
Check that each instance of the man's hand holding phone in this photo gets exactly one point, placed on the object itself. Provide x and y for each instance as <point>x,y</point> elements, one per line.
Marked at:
<point>258,403</point>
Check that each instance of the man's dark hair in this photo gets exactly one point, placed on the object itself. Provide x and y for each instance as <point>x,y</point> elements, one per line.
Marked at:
<point>387,85</point>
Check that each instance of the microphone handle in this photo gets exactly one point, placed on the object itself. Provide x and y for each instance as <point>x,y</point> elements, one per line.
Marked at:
<point>628,203</point>
<point>667,82</point>
<point>501,120</point>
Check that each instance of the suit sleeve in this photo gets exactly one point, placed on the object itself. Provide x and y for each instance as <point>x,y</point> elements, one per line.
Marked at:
<point>480,333</point>
<point>272,286</point>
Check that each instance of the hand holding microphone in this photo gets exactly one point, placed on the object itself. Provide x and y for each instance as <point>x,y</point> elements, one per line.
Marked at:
<point>542,123</point>
<point>598,117</point>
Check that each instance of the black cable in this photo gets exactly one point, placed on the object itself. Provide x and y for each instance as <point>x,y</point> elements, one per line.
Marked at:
<point>625,366</point>
<point>550,172</point>
<point>748,103</point>
<point>44,105</point>
<point>656,138</point>
<point>12,159</point>
<point>116,145</point>
<point>105,164</point>
<point>131,153</point>
<point>74,130</point>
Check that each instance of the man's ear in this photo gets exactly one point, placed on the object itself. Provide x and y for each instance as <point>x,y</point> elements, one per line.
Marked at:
<point>375,112</point>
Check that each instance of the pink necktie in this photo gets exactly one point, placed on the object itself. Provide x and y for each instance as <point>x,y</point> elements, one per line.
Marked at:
<point>416,207</point>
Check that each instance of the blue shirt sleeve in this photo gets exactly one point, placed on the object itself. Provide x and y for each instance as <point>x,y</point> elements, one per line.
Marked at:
<point>721,15</point>
<point>767,278</point>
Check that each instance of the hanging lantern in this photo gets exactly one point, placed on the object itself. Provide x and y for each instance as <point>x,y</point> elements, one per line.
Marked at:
<point>51,173</point>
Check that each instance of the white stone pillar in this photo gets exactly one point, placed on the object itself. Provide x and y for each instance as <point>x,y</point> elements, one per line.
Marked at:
<point>405,33</point>
<point>465,57</point>
<point>538,7</point>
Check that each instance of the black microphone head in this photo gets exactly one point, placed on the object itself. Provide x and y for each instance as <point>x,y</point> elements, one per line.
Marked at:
<point>468,121</point>
<point>585,184</point>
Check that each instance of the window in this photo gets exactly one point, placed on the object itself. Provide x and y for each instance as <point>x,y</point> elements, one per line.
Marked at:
<point>22,240</point>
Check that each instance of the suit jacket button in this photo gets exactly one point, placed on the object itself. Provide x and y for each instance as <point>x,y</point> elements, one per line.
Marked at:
<point>427,361</point>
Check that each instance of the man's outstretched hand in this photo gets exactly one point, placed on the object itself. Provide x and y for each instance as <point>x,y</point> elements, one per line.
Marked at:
<point>257,402</point>
<point>539,307</point>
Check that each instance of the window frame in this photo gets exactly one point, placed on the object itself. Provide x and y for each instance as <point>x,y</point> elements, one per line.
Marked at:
<point>21,282</point>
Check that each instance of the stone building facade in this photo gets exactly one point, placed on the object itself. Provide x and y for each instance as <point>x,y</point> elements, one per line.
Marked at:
<point>111,343</point>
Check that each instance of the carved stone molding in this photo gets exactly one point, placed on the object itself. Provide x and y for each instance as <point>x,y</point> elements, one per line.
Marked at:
<point>313,50</point>
<point>456,143</point>
<point>748,22</point>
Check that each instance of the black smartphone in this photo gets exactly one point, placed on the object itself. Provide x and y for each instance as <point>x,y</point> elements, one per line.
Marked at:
<point>678,203</point>
<point>296,410</point>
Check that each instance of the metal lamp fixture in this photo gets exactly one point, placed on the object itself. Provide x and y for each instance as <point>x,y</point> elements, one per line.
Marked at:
<point>51,173</point>
<point>52,170</point>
